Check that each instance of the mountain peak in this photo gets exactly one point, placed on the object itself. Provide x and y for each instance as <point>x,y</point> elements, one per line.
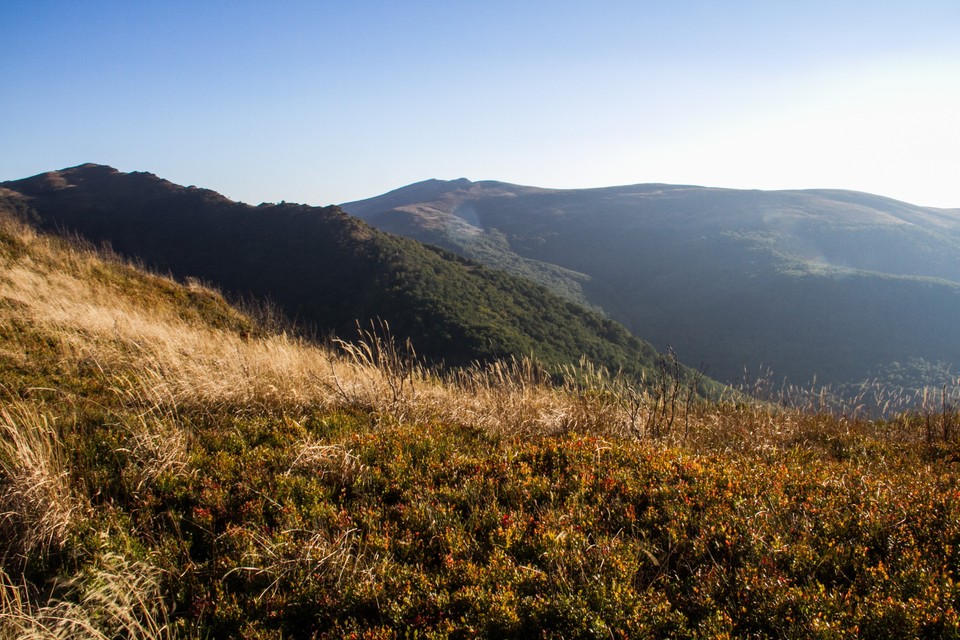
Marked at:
<point>86,171</point>
<point>65,178</point>
<point>91,167</point>
<point>108,179</point>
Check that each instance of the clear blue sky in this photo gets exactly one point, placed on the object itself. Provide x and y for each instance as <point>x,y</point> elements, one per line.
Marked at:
<point>329,101</point>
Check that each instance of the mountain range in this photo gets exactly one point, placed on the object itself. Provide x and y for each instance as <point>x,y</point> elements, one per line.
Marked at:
<point>837,287</point>
<point>809,287</point>
<point>332,273</point>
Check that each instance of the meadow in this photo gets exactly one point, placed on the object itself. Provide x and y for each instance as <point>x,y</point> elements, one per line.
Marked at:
<point>173,467</point>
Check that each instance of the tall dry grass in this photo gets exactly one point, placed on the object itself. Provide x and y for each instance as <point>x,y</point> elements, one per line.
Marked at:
<point>116,598</point>
<point>39,503</point>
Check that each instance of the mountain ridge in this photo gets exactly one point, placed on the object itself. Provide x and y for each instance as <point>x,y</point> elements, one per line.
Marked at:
<point>656,256</point>
<point>330,270</point>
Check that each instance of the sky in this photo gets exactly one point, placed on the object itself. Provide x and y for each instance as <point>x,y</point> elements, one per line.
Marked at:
<point>328,101</point>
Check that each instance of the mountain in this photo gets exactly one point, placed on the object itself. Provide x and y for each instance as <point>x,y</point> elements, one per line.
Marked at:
<point>836,286</point>
<point>329,271</point>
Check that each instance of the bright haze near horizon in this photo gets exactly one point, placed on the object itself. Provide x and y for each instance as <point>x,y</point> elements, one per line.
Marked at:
<point>327,102</point>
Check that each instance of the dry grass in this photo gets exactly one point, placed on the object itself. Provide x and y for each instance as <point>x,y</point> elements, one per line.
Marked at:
<point>156,443</point>
<point>328,460</point>
<point>175,363</point>
<point>116,598</point>
<point>39,504</point>
<point>292,558</point>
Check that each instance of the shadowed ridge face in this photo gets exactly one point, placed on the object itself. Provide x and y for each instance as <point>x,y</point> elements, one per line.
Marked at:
<point>312,261</point>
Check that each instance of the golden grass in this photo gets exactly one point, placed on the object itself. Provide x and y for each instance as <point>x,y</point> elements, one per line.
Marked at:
<point>115,599</point>
<point>40,504</point>
<point>296,556</point>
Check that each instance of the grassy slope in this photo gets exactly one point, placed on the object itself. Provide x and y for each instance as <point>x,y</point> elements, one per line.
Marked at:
<point>181,473</point>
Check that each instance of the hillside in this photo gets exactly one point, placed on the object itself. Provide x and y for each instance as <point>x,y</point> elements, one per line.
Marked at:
<point>833,285</point>
<point>170,469</point>
<point>330,272</point>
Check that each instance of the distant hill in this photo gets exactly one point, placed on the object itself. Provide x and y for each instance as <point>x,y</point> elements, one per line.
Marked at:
<point>834,285</point>
<point>329,270</point>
